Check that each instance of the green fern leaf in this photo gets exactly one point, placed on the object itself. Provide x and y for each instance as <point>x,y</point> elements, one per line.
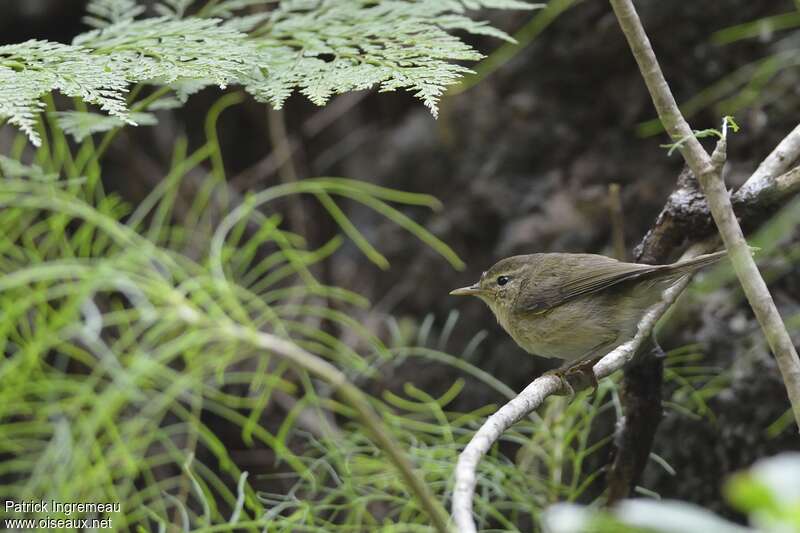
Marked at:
<point>31,69</point>
<point>102,13</point>
<point>319,48</point>
<point>173,8</point>
<point>81,124</point>
<point>11,168</point>
<point>166,50</point>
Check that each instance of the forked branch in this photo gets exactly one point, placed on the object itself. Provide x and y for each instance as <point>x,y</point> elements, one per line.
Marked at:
<point>709,174</point>
<point>534,395</point>
<point>771,184</point>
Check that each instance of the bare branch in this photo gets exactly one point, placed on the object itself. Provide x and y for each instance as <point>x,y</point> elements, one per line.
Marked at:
<point>491,430</point>
<point>709,173</point>
<point>770,185</point>
<point>761,190</point>
<point>535,394</point>
<point>686,216</point>
<point>781,158</point>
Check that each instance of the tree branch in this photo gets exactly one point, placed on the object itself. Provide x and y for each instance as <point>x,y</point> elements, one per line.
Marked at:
<point>686,217</point>
<point>777,163</point>
<point>766,188</point>
<point>640,396</point>
<point>769,193</point>
<point>709,173</point>
<point>535,394</point>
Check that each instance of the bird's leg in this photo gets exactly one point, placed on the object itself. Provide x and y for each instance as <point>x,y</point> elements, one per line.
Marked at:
<point>584,370</point>
<point>578,375</point>
<point>560,373</point>
<point>580,372</point>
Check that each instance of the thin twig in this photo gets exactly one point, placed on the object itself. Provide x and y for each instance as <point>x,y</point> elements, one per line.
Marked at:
<point>617,221</point>
<point>358,401</point>
<point>778,162</point>
<point>709,173</point>
<point>283,149</point>
<point>761,190</point>
<point>686,216</point>
<point>535,394</point>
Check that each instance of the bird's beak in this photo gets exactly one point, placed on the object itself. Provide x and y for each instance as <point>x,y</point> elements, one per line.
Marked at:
<point>473,290</point>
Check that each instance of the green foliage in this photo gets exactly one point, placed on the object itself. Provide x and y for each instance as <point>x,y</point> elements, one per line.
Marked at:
<point>117,343</point>
<point>34,68</point>
<point>126,330</point>
<point>122,330</point>
<point>81,125</point>
<point>162,50</point>
<point>768,493</point>
<point>727,121</point>
<point>125,334</point>
<point>102,13</point>
<point>319,47</point>
<point>550,464</point>
<point>764,82</point>
<point>694,382</point>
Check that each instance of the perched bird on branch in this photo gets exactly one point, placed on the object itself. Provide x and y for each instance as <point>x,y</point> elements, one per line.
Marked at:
<point>575,307</point>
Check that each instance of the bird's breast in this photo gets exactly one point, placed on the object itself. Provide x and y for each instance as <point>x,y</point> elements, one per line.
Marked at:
<point>529,332</point>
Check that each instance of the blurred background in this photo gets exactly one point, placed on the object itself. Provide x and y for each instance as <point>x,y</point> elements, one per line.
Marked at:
<point>521,158</point>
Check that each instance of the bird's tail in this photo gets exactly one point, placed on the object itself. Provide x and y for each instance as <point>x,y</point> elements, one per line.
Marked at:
<point>690,265</point>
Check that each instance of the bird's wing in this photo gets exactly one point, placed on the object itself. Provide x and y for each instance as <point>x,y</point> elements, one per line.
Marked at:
<point>581,274</point>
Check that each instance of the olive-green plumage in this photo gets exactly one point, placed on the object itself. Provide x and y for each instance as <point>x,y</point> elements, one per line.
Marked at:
<point>575,306</point>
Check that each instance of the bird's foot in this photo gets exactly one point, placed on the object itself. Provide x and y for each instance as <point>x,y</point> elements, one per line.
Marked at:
<point>577,376</point>
<point>566,389</point>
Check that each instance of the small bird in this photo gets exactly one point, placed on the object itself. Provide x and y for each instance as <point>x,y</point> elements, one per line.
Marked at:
<point>576,307</point>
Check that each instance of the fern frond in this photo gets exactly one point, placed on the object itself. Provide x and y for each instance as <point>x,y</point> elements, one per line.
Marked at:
<point>167,50</point>
<point>317,47</point>
<point>500,4</point>
<point>31,69</point>
<point>11,168</point>
<point>336,47</point>
<point>102,13</point>
<point>232,8</point>
<point>81,124</point>
<point>173,8</point>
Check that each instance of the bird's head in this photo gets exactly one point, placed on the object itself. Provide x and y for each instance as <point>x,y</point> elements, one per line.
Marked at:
<point>500,285</point>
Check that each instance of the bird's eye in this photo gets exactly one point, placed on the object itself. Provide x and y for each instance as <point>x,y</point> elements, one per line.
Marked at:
<point>502,280</point>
